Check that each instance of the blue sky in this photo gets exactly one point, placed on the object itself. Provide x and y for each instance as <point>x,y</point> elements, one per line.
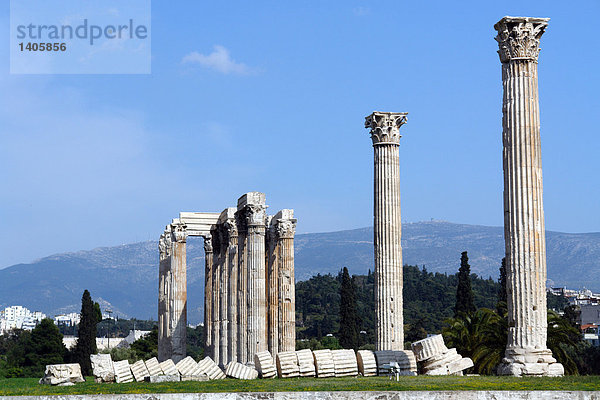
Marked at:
<point>271,96</point>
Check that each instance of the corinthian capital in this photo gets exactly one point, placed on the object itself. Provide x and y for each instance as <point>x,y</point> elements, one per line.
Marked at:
<point>286,228</point>
<point>178,232</point>
<point>519,37</point>
<point>208,247</point>
<point>256,214</point>
<point>385,127</point>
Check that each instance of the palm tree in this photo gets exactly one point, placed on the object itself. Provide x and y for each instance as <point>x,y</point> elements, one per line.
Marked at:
<point>560,335</point>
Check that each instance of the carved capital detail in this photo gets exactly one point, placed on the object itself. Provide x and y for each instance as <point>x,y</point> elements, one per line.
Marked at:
<point>178,232</point>
<point>164,245</point>
<point>255,214</point>
<point>385,127</point>
<point>231,228</point>
<point>286,228</point>
<point>208,247</point>
<point>256,230</point>
<point>519,37</point>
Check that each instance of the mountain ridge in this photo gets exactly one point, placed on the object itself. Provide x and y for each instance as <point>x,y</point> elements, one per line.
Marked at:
<point>125,277</point>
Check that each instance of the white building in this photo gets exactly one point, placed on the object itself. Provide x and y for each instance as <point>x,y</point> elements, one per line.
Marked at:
<point>19,317</point>
<point>70,319</point>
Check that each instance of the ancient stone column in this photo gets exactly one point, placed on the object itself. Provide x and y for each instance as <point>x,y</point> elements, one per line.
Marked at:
<point>253,204</point>
<point>286,230</point>
<point>216,295</point>
<point>232,308</point>
<point>272,260</point>
<point>164,291</point>
<point>172,337</point>
<point>208,263</point>
<point>242,309</point>
<point>385,133</point>
<point>524,233</point>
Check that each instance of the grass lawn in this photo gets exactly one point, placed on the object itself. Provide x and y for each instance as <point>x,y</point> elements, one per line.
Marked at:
<point>30,386</point>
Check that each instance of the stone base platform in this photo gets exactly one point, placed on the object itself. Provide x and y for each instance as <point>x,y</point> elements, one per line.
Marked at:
<point>528,362</point>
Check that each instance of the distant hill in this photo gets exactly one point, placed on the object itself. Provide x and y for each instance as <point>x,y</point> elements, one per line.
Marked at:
<point>125,277</point>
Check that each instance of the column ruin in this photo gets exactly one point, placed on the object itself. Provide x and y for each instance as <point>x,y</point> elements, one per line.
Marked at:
<point>385,134</point>
<point>286,284</point>
<point>524,233</point>
<point>208,262</point>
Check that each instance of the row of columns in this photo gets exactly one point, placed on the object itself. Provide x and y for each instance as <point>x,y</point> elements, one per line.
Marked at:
<point>249,285</point>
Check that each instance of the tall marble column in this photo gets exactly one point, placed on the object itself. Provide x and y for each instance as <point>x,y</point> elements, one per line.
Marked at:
<point>524,233</point>
<point>385,134</point>
<point>272,260</point>
<point>255,211</point>
<point>208,263</point>
<point>216,295</point>
<point>286,230</point>
<point>242,287</point>
<point>164,293</point>
<point>174,285</point>
<point>232,308</point>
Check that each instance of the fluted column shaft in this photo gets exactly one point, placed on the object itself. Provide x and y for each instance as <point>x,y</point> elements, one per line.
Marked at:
<point>232,293</point>
<point>178,322</point>
<point>242,289</point>
<point>273,290</point>
<point>164,293</point>
<point>208,289</point>
<point>223,298</point>
<point>385,134</point>
<point>257,319</point>
<point>523,205</point>
<point>216,299</point>
<point>287,294</point>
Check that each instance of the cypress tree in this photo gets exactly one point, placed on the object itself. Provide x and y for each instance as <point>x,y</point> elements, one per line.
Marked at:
<point>502,295</point>
<point>86,339</point>
<point>464,293</point>
<point>349,329</point>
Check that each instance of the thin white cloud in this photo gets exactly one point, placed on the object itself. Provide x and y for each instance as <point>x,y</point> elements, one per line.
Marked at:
<point>219,60</point>
<point>361,11</point>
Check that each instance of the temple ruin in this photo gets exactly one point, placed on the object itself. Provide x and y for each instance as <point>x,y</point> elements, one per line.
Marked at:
<point>524,232</point>
<point>249,298</point>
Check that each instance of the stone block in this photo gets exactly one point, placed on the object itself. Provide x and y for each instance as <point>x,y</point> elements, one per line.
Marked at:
<point>162,378</point>
<point>61,374</point>
<point>188,367</point>
<point>404,359</point>
<point>122,372</point>
<point>287,364</point>
<point>263,361</point>
<point>102,367</point>
<point>306,363</point>
<point>153,367</point>
<point>211,369</point>
<point>168,367</point>
<point>196,378</point>
<point>239,371</point>
<point>139,371</point>
<point>344,362</point>
<point>324,363</point>
<point>452,368</point>
<point>429,347</point>
<point>556,369</point>
<point>367,364</point>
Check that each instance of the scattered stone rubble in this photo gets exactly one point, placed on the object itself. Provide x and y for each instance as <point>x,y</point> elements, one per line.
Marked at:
<point>437,359</point>
<point>324,363</point>
<point>287,365</point>
<point>265,366</point>
<point>306,363</point>
<point>153,367</point>
<point>139,371</point>
<point>403,360</point>
<point>344,362</point>
<point>102,368</point>
<point>122,372</point>
<point>210,368</point>
<point>190,371</point>
<point>62,375</point>
<point>240,371</point>
<point>367,364</point>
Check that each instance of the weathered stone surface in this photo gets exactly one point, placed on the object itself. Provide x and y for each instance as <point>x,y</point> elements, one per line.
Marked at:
<point>102,367</point>
<point>524,233</point>
<point>168,367</point>
<point>452,367</point>
<point>139,371</point>
<point>122,372</point>
<point>344,362</point>
<point>188,367</point>
<point>153,367</point>
<point>239,371</point>
<point>385,134</point>
<point>367,364</point>
<point>287,364</point>
<point>60,374</point>
<point>440,360</point>
<point>263,361</point>
<point>324,363</point>
<point>162,378</point>
<point>404,359</point>
<point>306,363</point>
<point>212,370</point>
<point>197,378</point>
<point>429,347</point>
